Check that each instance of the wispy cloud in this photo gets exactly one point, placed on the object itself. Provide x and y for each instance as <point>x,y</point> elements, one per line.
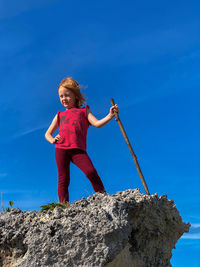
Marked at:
<point>29,131</point>
<point>195,225</point>
<point>9,8</point>
<point>194,232</point>
<point>188,236</point>
<point>149,46</point>
<point>140,49</point>
<point>3,174</point>
<point>18,191</point>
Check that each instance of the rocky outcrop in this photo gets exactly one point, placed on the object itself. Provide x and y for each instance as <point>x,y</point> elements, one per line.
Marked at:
<point>124,229</point>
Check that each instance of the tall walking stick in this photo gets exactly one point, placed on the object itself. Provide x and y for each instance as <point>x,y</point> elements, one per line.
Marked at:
<point>131,150</point>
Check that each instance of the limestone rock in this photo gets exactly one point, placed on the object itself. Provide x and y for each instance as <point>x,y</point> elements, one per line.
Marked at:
<point>124,229</point>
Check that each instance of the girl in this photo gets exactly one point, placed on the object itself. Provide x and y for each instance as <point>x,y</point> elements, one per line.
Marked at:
<point>70,143</point>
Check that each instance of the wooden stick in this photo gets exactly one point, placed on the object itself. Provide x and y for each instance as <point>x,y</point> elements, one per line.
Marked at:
<point>131,150</point>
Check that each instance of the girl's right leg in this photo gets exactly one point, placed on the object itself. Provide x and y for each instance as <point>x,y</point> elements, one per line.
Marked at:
<point>63,164</point>
<point>81,159</point>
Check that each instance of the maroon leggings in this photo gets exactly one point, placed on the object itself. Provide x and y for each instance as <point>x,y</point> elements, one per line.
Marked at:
<point>81,159</point>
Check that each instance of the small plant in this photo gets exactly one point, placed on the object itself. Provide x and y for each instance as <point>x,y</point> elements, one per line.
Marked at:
<point>11,203</point>
<point>51,206</point>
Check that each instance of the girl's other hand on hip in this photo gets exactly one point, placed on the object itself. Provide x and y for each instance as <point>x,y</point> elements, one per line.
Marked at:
<point>56,138</point>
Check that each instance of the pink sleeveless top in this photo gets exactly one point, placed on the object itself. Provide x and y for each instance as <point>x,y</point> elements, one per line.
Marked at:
<point>73,124</point>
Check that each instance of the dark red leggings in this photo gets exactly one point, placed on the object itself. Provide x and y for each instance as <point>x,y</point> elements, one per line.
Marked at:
<point>81,159</point>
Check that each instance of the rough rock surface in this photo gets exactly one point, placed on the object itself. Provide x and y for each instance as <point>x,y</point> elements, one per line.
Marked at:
<point>125,229</point>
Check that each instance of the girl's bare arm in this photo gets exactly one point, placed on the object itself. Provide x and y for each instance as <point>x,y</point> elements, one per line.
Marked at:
<point>52,128</point>
<point>99,123</point>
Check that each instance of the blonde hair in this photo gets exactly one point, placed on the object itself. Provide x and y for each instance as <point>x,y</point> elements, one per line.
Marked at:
<point>72,85</point>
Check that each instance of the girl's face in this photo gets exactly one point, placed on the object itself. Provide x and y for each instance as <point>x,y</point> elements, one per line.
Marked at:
<point>67,97</point>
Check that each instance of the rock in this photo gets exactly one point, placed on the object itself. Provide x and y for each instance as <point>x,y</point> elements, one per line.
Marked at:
<point>124,229</point>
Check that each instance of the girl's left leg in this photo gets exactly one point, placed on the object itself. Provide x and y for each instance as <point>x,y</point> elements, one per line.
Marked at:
<point>81,159</point>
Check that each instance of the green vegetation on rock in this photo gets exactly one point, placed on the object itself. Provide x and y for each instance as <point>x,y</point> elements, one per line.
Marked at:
<point>51,206</point>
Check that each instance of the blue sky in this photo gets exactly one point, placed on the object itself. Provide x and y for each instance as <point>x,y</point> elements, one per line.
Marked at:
<point>144,54</point>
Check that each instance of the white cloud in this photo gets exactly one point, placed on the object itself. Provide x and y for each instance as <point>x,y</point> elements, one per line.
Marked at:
<point>195,225</point>
<point>26,132</point>
<point>194,232</point>
<point>191,236</point>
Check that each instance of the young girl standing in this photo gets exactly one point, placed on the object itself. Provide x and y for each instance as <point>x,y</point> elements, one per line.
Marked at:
<point>70,143</point>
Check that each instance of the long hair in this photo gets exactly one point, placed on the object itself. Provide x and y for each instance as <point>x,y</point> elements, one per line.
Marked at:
<point>71,84</point>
